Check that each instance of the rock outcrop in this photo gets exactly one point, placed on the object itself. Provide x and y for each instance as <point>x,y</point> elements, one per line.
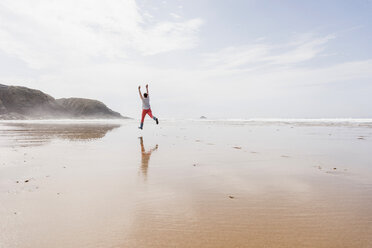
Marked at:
<point>2,108</point>
<point>81,107</point>
<point>18,102</point>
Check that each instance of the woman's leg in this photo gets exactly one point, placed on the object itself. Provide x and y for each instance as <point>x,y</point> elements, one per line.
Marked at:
<point>143,118</point>
<point>149,112</point>
<point>153,117</point>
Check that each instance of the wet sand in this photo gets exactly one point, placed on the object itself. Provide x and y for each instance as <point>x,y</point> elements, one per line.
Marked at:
<point>186,184</point>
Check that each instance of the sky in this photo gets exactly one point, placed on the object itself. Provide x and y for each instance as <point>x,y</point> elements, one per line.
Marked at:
<point>221,59</point>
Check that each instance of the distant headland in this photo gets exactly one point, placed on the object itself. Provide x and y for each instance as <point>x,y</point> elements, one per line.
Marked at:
<point>17,103</point>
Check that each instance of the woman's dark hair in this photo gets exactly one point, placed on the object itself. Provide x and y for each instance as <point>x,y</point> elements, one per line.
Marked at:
<point>145,95</point>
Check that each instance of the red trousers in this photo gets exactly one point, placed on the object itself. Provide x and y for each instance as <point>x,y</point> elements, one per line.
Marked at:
<point>144,112</point>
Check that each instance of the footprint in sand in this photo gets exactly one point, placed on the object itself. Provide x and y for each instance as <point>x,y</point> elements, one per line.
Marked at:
<point>333,172</point>
<point>337,171</point>
<point>237,147</point>
<point>28,180</point>
<point>285,156</point>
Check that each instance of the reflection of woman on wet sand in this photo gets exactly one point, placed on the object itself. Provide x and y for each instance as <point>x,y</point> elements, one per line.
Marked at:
<point>145,158</point>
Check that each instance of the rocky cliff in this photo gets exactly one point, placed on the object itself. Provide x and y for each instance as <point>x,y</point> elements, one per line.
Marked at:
<point>18,102</point>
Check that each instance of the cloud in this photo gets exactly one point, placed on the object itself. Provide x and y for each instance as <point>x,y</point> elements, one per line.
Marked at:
<point>45,33</point>
<point>264,64</point>
<point>301,49</point>
<point>263,70</point>
<point>175,15</point>
<point>168,36</point>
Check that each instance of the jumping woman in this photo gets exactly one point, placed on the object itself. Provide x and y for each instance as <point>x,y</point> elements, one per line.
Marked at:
<point>146,109</point>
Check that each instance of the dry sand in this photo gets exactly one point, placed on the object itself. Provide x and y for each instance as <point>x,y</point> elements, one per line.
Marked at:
<point>185,184</point>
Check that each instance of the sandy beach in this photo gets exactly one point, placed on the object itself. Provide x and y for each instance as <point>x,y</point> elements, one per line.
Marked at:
<point>278,183</point>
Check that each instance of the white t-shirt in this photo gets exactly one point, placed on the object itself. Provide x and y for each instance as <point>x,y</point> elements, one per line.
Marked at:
<point>146,102</point>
